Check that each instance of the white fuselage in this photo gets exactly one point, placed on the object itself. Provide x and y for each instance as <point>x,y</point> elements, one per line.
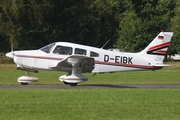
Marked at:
<point>105,60</point>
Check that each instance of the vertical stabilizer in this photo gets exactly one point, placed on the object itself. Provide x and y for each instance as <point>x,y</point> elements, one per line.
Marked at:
<point>157,49</point>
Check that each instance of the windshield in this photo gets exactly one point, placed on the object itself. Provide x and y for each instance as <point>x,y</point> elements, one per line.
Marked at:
<point>47,48</point>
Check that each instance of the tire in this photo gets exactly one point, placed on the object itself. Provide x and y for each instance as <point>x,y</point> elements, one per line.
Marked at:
<point>66,83</point>
<point>23,83</point>
<point>73,84</point>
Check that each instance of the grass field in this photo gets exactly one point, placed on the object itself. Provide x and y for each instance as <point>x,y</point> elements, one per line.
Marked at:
<point>92,104</point>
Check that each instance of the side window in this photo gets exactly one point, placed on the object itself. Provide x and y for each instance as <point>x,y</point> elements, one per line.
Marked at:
<point>80,51</point>
<point>94,54</point>
<point>63,50</point>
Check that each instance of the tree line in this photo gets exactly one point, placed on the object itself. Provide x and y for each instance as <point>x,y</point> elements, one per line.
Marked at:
<point>31,24</point>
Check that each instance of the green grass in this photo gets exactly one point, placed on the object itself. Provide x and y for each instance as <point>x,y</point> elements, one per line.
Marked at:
<point>92,104</point>
<point>168,75</point>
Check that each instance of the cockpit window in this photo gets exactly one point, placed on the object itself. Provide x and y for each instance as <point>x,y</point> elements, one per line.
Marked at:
<point>47,48</point>
<point>94,54</point>
<point>63,50</point>
<point>80,51</point>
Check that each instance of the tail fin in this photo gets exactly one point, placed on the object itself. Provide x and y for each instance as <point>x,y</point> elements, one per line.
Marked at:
<point>157,49</point>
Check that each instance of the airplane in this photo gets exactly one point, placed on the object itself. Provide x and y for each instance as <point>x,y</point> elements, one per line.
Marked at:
<point>76,59</point>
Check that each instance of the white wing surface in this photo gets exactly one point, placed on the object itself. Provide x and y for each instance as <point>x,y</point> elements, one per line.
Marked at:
<point>83,63</point>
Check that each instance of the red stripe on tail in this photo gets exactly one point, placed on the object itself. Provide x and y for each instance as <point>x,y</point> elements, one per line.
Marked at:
<point>159,46</point>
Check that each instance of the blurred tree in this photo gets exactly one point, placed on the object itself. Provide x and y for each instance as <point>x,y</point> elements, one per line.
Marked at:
<point>30,24</point>
<point>148,19</point>
<point>10,27</point>
<point>175,44</point>
<point>130,26</point>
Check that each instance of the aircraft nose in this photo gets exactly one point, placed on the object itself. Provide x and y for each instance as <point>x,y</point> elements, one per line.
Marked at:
<point>9,55</point>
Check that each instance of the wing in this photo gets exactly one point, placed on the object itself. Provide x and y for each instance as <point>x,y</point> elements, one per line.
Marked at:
<point>86,64</point>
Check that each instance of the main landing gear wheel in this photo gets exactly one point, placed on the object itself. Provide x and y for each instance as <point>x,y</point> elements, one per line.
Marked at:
<point>23,83</point>
<point>66,83</point>
<point>73,84</point>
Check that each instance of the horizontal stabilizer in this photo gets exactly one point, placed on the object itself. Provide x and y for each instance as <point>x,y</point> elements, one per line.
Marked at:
<point>161,65</point>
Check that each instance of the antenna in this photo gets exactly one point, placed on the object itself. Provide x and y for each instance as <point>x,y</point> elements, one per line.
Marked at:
<point>124,48</point>
<point>105,43</point>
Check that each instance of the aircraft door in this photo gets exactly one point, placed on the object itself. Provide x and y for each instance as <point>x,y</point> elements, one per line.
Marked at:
<point>62,50</point>
<point>58,54</point>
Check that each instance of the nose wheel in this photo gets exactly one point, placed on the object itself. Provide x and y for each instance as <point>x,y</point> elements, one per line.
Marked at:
<point>26,74</point>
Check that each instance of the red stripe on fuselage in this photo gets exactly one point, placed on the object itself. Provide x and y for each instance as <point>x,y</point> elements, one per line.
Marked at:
<point>40,57</point>
<point>96,62</point>
<point>128,65</point>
